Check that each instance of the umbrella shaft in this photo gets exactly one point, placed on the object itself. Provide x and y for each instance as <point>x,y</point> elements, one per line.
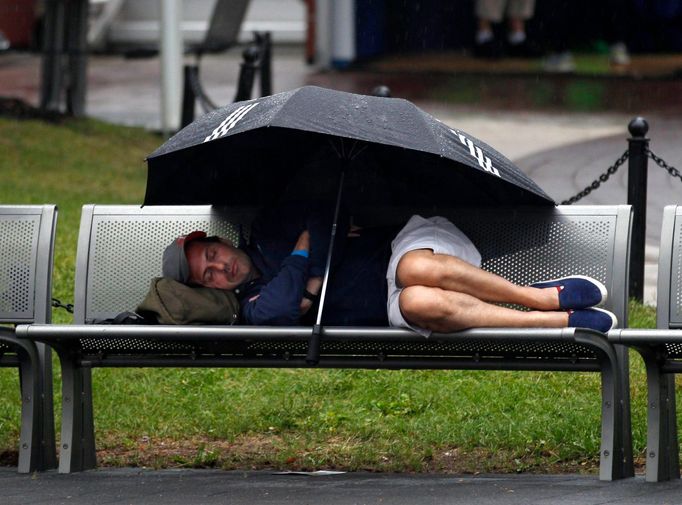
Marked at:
<point>325,279</point>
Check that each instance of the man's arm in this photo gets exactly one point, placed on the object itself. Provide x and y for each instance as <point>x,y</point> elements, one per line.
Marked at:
<point>278,302</point>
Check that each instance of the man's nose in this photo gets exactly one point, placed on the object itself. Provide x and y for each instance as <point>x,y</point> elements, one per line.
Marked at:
<point>217,265</point>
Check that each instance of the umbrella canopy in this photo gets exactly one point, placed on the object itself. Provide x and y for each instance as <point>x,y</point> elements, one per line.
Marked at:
<point>292,144</point>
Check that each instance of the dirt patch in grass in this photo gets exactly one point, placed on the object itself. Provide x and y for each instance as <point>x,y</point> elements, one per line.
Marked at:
<point>259,452</point>
<point>9,458</point>
<point>18,109</point>
<point>271,452</point>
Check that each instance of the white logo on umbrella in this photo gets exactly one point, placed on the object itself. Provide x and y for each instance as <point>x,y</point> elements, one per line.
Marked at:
<point>475,151</point>
<point>230,122</point>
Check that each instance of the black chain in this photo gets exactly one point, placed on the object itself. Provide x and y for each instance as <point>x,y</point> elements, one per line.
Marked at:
<point>661,163</point>
<point>600,180</point>
<point>68,307</point>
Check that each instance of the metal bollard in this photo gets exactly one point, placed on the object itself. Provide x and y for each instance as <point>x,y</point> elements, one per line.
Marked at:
<point>638,145</point>
<point>188,97</point>
<point>247,73</point>
<point>265,43</point>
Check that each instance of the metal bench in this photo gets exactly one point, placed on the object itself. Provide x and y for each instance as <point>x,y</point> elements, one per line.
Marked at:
<point>661,350</point>
<point>26,246</point>
<point>120,250</point>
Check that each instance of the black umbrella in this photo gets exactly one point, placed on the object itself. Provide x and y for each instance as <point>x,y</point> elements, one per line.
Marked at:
<point>249,152</point>
<point>316,141</point>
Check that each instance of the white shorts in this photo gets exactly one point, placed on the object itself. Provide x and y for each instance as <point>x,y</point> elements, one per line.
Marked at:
<point>435,233</point>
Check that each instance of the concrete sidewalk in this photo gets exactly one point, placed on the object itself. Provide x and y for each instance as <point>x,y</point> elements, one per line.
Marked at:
<point>563,152</point>
<point>207,487</point>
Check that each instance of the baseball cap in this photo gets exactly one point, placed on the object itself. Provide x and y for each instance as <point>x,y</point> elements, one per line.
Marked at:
<point>175,263</point>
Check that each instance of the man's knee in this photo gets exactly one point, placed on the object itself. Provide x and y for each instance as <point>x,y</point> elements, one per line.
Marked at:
<point>416,268</point>
<point>419,304</point>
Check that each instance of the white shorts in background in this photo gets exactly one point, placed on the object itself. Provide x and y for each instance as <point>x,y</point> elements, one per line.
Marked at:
<point>435,233</point>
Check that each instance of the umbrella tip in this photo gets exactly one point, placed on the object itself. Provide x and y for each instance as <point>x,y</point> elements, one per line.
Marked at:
<point>381,90</point>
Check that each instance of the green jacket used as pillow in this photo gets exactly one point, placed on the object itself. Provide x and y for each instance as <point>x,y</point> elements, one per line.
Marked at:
<point>172,302</point>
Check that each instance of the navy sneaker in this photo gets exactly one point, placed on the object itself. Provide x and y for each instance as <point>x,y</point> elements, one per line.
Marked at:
<point>576,291</point>
<point>595,319</point>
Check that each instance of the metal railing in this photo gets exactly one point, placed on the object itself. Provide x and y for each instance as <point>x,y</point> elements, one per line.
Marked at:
<point>637,155</point>
<point>257,61</point>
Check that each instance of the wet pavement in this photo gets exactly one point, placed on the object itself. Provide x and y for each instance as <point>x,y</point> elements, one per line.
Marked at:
<point>207,487</point>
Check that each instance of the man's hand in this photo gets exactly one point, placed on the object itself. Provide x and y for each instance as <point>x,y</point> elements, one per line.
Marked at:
<point>303,242</point>
<point>313,285</point>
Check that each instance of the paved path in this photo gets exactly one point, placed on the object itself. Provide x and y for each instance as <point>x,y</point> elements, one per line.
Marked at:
<point>208,487</point>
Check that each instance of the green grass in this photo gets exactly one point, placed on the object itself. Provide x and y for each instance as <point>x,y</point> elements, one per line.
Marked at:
<point>234,418</point>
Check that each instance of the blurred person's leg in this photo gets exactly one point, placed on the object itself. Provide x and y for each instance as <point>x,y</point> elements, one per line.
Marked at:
<point>488,13</point>
<point>518,13</point>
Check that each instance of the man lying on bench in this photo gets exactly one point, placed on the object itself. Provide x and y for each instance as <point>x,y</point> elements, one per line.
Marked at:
<point>426,277</point>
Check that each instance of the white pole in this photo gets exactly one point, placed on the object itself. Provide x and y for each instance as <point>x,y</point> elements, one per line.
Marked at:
<point>343,33</point>
<point>323,33</point>
<point>171,65</point>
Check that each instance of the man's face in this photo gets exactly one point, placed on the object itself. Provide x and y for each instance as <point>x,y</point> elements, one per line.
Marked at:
<point>218,265</point>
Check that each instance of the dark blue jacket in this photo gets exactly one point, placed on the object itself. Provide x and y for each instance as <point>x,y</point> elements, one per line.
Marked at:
<point>356,294</point>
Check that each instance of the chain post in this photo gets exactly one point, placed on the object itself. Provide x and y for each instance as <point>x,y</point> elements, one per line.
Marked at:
<point>247,72</point>
<point>638,147</point>
<point>188,96</point>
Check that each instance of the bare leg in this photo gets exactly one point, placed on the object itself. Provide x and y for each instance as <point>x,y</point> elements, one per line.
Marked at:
<point>424,268</point>
<point>445,311</point>
<point>517,25</point>
<point>485,25</point>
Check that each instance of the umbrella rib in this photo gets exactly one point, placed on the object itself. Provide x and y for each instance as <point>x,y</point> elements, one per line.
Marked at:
<point>359,151</point>
<point>331,142</point>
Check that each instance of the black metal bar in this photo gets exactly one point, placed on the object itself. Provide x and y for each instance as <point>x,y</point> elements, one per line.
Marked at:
<point>355,362</point>
<point>247,73</point>
<point>188,96</point>
<point>76,49</point>
<point>265,42</point>
<point>51,66</point>
<point>637,187</point>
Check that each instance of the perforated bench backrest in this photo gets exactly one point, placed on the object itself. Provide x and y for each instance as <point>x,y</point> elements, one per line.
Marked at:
<point>669,291</point>
<point>120,250</point>
<point>26,249</point>
<point>120,247</point>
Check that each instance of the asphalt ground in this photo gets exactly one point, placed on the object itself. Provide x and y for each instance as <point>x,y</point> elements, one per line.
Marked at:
<point>208,487</point>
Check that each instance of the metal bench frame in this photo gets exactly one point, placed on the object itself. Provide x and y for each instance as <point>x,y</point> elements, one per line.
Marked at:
<point>28,233</point>
<point>661,350</point>
<point>537,241</point>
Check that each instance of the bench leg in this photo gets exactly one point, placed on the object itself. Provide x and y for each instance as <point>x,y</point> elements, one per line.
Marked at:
<point>48,444</point>
<point>662,447</point>
<point>623,404</point>
<point>615,457</point>
<point>29,438</point>
<point>36,438</point>
<point>78,434</point>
